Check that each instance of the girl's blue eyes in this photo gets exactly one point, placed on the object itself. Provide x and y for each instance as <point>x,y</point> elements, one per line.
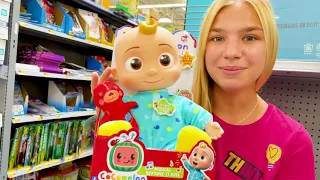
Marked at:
<point>246,38</point>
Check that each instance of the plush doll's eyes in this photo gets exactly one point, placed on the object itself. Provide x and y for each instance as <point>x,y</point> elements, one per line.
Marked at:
<point>134,64</point>
<point>166,60</point>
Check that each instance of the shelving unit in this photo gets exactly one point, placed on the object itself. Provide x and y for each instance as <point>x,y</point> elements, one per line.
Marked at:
<point>52,163</point>
<point>42,32</point>
<point>9,73</point>
<point>36,118</point>
<point>300,68</point>
<point>22,72</point>
<point>3,72</point>
<point>107,15</point>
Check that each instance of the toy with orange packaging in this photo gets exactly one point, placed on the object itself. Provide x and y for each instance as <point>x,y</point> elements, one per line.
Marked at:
<point>146,63</point>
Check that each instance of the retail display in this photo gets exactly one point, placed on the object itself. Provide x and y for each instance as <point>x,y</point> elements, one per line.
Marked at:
<point>58,17</point>
<point>4,19</point>
<point>39,143</point>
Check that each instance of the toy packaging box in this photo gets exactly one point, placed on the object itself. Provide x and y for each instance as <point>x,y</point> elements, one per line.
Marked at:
<point>123,156</point>
<point>298,20</point>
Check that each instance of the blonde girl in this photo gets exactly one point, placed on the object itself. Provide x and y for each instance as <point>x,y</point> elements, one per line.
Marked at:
<point>237,50</point>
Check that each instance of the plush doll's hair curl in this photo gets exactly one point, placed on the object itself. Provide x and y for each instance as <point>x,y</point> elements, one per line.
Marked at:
<point>146,28</point>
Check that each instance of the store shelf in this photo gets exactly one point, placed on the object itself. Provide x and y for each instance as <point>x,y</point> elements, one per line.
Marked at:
<point>297,68</point>
<point>106,14</point>
<point>0,122</point>
<point>44,165</point>
<point>52,75</point>
<point>36,118</point>
<point>3,72</point>
<point>42,32</point>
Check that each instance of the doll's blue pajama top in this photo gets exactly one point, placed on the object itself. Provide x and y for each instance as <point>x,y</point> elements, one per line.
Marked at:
<point>194,174</point>
<point>161,131</point>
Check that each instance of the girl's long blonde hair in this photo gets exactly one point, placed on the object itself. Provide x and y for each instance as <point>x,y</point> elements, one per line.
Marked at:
<point>203,84</point>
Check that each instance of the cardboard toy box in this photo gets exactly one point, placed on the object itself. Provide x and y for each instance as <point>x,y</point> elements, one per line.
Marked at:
<point>110,154</point>
<point>299,28</point>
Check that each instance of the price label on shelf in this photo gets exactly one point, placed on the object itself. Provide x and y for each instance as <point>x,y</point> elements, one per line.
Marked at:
<point>40,118</point>
<point>56,162</point>
<point>47,165</point>
<point>86,78</point>
<point>92,113</point>
<point>38,168</point>
<point>51,31</point>
<point>58,116</point>
<point>68,76</point>
<point>22,71</point>
<point>28,171</point>
<point>71,37</point>
<point>83,154</point>
<point>46,74</point>
<point>24,24</point>
<point>15,120</point>
<point>69,158</point>
<point>75,115</point>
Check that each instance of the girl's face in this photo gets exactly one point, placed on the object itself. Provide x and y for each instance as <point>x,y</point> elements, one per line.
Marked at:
<point>236,50</point>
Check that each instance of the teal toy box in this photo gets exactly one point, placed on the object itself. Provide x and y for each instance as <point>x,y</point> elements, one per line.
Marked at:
<point>299,29</point>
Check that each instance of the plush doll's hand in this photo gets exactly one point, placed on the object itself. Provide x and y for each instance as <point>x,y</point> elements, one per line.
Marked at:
<point>214,130</point>
<point>184,158</point>
<point>106,76</point>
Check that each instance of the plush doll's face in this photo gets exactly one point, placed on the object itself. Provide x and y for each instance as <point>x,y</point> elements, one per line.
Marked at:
<point>201,158</point>
<point>147,61</point>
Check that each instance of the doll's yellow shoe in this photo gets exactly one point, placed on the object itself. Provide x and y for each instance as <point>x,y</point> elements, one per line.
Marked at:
<point>113,127</point>
<point>189,136</point>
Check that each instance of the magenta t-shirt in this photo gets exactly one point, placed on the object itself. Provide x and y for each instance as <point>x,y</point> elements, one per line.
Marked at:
<point>274,148</point>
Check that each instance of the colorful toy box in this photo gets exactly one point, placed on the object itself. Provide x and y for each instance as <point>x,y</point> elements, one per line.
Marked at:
<point>46,14</point>
<point>74,23</point>
<point>301,21</point>
<point>123,156</point>
<point>97,63</point>
<point>130,7</point>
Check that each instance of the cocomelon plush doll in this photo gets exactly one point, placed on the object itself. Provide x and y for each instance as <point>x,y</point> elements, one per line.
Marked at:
<point>146,62</point>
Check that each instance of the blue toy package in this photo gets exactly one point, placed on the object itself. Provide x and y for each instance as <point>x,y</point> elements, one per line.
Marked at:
<point>45,13</point>
<point>299,20</point>
<point>73,25</point>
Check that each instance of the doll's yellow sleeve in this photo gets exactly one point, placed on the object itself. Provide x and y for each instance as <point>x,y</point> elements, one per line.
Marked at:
<point>193,114</point>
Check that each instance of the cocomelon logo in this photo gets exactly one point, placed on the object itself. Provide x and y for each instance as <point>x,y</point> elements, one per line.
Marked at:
<point>125,157</point>
<point>103,175</point>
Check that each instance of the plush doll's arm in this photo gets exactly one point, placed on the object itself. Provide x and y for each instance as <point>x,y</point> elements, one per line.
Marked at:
<point>131,104</point>
<point>193,114</point>
<point>98,96</point>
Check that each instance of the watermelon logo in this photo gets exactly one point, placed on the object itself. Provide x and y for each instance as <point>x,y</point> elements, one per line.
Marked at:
<point>125,155</point>
<point>186,93</point>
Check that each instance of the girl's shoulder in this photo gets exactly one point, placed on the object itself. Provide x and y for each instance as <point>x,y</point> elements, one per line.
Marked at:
<point>282,120</point>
